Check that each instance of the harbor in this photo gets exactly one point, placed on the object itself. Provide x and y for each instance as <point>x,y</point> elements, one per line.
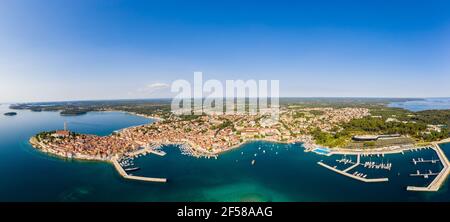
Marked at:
<point>122,172</point>
<point>440,177</point>
<point>355,175</point>
<point>127,162</point>
<point>435,174</point>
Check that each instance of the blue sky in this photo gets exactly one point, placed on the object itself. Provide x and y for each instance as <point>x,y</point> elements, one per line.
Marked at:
<point>88,49</point>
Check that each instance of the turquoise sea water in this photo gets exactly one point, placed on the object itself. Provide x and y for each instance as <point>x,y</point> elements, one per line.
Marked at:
<point>282,172</point>
<point>426,104</point>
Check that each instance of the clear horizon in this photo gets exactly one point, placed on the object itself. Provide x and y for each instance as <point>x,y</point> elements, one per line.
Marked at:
<point>292,97</point>
<point>110,50</point>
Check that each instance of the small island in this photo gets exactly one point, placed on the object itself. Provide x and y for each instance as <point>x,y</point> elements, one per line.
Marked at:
<point>72,112</point>
<point>10,114</point>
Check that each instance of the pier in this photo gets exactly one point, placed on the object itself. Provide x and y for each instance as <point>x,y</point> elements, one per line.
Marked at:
<point>354,165</point>
<point>424,175</point>
<point>440,178</point>
<point>125,175</point>
<point>355,176</point>
<point>421,160</point>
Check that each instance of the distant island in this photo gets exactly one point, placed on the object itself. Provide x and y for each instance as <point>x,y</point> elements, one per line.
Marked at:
<point>72,112</point>
<point>10,114</point>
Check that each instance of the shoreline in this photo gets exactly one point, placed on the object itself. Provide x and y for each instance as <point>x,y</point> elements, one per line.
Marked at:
<point>190,148</point>
<point>434,185</point>
<point>133,113</point>
<point>333,151</point>
<point>111,160</point>
<point>309,146</point>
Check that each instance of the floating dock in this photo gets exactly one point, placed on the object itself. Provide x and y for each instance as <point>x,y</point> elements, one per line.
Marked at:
<point>421,160</point>
<point>424,175</point>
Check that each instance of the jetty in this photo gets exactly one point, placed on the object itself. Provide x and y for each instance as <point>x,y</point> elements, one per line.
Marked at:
<point>441,176</point>
<point>356,176</point>
<point>125,175</point>
<point>358,158</point>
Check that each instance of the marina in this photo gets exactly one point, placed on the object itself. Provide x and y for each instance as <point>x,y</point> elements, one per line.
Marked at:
<point>127,161</point>
<point>122,172</point>
<point>355,175</point>
<point>441,176</point>
<point>438,177</point>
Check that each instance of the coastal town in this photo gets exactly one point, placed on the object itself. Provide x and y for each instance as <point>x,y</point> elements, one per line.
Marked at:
<point>203,135</point>
<point>210,135</point>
